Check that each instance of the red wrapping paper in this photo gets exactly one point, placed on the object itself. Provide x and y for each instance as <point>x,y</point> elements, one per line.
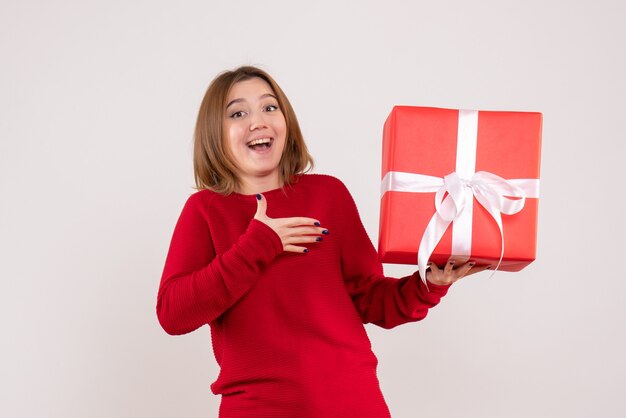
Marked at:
<point>423,140</point>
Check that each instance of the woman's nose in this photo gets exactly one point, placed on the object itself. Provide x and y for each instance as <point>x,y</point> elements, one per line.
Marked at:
<point>257,121</point>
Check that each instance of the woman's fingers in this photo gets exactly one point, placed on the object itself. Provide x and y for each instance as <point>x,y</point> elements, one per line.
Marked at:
<point>449,274</point>
<point>305,230</point>
<point>302,235</point>
<point>284,230</point>
<point>295,249</point>
<point>306,239</point>
<point>463,269</point>
<point>447,269</point>
<point>261,207</point>
<point>292,231</point>
<point>298,221</point>
<point>261,213</point>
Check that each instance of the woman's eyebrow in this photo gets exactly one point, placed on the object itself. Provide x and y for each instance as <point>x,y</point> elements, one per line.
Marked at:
<point>239,100</point>
<point>232,102</point>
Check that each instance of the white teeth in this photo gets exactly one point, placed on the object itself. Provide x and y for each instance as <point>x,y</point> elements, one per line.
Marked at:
<point>259,141</point>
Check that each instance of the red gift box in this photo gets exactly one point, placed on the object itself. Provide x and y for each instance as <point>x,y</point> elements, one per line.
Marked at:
<point>476,164</point>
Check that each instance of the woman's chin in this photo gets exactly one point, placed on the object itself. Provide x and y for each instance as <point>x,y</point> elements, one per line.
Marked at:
<point>262,172</point>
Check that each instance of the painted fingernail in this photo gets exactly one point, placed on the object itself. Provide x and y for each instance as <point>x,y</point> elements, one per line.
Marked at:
<point>306,250</point>
<point>319,239</point>
<point>258,197</point>
<point>325,232</point>
<point>316,223</point>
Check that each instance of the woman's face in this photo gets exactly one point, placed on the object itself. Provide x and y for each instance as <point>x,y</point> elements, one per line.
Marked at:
<point>255,131</point>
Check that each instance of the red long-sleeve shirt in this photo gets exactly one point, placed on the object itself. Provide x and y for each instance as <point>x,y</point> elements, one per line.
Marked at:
<point>287,328</point>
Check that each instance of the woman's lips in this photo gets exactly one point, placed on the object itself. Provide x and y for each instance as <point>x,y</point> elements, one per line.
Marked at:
<point>260,144</point>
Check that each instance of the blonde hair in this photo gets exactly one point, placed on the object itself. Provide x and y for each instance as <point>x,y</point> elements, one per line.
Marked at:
<point>213,167</point>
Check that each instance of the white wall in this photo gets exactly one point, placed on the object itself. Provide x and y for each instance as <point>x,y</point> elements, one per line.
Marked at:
<point>97,105</point>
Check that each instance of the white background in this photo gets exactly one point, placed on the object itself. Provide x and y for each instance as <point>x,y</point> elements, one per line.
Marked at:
<point>98,100</point>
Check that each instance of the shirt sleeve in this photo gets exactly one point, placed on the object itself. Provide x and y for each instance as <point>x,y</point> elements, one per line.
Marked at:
<point>383,301</point>
<point>197,286</point>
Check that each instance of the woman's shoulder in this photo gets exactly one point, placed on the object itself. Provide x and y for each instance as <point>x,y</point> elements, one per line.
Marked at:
<point>201,198</point>
<point>203,194</point>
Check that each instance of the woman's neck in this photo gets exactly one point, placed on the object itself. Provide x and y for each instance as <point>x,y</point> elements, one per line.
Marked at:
<point>248,186</point>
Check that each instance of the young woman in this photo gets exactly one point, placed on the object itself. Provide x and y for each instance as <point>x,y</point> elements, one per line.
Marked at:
<point>278,263</point>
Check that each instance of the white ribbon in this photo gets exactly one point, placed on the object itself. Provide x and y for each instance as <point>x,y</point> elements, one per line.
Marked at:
<point>455,193</point>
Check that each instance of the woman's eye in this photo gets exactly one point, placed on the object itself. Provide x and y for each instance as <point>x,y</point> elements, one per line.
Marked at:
<point>237,115</point>
<point>271,108</point>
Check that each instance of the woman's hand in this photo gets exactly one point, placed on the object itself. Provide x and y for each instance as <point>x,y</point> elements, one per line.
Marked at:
<point>449,274</point>
<point>292,231</point>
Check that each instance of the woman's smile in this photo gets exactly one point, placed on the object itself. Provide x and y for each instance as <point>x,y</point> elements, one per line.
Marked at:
<point>260,145</point>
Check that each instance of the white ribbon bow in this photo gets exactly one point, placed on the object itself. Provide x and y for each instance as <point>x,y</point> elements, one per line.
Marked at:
<point>454,200</point>
<point>494,193</point>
